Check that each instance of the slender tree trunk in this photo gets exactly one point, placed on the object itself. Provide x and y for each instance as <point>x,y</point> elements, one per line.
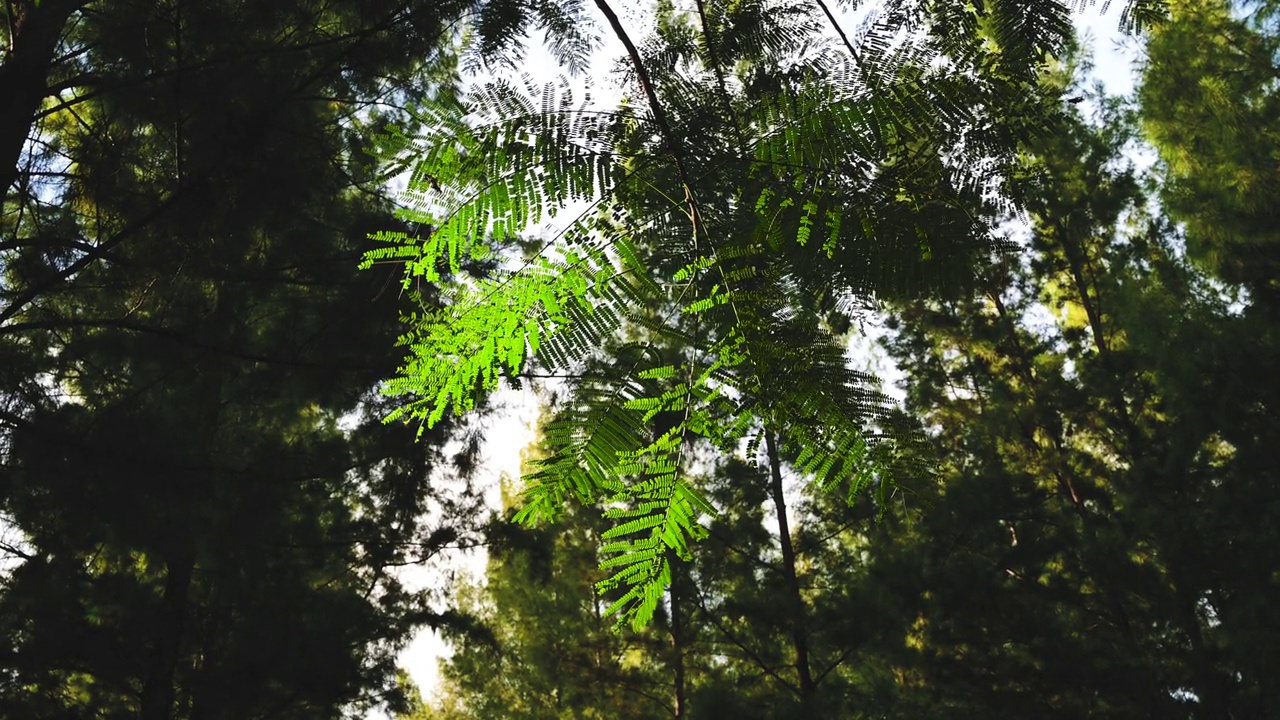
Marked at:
<point>795,603</point>
<point>1076,258</point>
<point>677,640</point>
<point>33,43</point>
<point>158,689</point>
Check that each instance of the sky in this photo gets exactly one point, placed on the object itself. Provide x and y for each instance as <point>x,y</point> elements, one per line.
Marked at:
<point>512,429</point>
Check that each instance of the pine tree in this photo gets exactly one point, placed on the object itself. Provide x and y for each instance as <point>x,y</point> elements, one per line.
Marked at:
<point>1072,556</point>
<point>1209,99</point>
<point>207,508</point>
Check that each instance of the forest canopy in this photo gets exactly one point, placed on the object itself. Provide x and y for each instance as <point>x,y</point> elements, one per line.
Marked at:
<point>222,439</point>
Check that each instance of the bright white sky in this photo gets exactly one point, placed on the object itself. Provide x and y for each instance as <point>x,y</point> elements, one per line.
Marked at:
<point>510,431</point>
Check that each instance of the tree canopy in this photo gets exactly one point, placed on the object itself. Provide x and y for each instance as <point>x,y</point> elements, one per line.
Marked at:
<point>770,172</point>
<point>203,512</point>
<point>1080,524</point>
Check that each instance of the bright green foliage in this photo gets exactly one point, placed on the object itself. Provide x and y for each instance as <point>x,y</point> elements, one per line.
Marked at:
<point>1084,529</point>
<point>772,176</point>
<point>1084,526</point>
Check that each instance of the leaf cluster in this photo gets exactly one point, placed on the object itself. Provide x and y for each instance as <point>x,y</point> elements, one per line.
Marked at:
<point>772,172</point>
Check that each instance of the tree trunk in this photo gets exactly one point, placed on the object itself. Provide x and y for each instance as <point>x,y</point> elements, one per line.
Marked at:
<point>24,75</point>
<point>677,640</point>
<point>795,603</point>
<point>158,688</point>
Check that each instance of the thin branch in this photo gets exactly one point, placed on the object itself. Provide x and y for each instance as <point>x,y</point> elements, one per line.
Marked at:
<point>35,291</point>
<point>853,52</point>
<point>14,551</point>
<point>659,112</point>
<point>174,336</point>
<point>837,663</point>
<point>759,662</point>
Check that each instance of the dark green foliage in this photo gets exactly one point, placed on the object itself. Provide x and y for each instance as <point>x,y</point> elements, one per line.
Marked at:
<point>200,506</point>
<point>1083,550</point>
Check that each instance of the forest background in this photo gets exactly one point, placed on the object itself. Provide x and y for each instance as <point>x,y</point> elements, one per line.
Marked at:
<point>1070,515</point>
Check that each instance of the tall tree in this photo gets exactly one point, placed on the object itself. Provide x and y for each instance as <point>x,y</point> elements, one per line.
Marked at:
<point>209,506</point>
<point>826,169</point>
<point>1073,555</point>
<point>789,627</point>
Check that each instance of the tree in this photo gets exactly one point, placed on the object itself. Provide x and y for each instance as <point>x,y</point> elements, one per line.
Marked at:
<point>768,175</point>
<point>1079,550</point>
<point>1094,429</point>
<point>718,644</point>
<point>31,37</point>
<point>208,504</point>
<point>1208,97</point>
<point>789,624</point>
<point>62,59</point>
